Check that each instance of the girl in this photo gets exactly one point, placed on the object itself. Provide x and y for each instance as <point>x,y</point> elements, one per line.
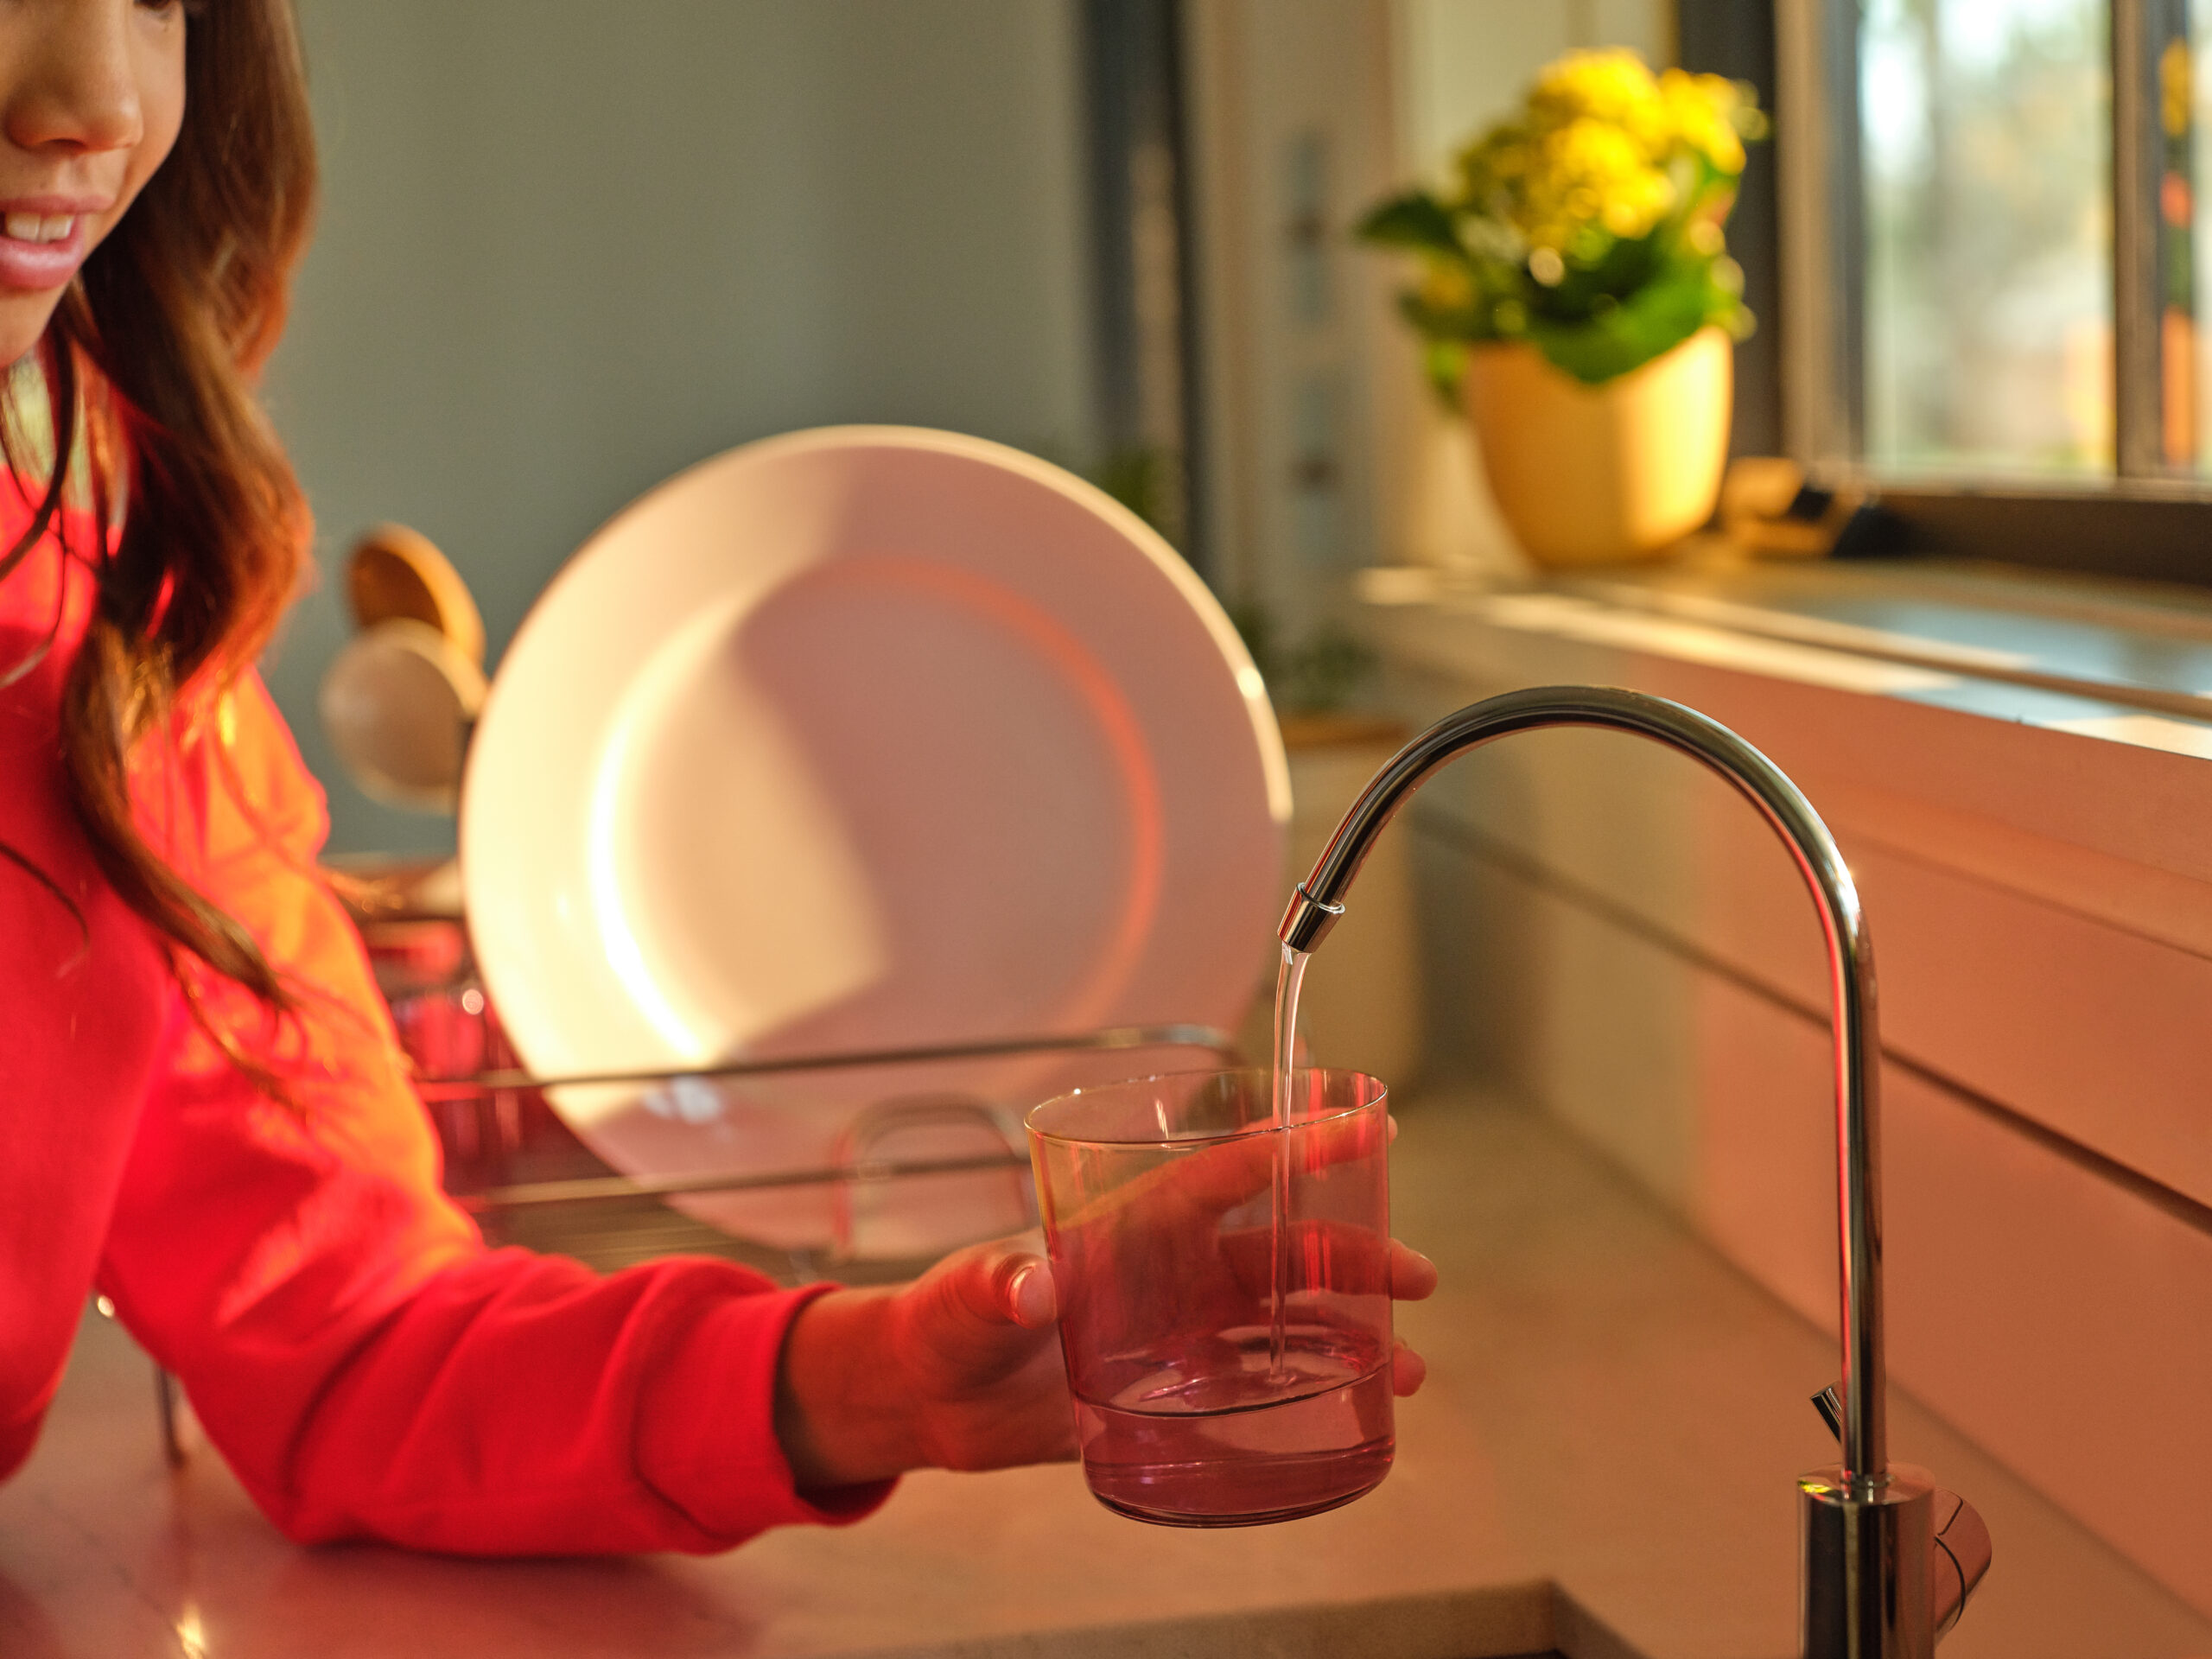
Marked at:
<point>205,1115</point>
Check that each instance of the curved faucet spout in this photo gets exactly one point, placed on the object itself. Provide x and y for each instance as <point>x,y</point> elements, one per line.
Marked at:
<point>1320,899</point>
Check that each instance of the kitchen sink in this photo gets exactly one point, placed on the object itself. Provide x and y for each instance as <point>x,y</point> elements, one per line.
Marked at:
<point>1523,1621</point>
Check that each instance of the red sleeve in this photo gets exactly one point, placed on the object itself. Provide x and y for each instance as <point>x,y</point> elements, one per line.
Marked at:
<point>366,1366</point>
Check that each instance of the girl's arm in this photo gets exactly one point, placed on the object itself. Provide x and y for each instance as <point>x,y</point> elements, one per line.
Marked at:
<point>366,1366</point>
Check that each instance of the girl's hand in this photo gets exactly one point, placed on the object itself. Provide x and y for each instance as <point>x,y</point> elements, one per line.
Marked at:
<point>959,1369</point>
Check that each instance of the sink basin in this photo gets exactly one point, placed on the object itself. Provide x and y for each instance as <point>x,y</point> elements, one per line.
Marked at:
<point>1521,1621</point>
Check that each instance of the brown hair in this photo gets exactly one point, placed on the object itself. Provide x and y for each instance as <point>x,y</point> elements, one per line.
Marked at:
<point>151,358</point>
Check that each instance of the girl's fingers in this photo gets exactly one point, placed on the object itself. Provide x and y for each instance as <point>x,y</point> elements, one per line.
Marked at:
<point>1408,1370</point>
<point>1358,1260</point>
<point>977,1294</point>
<point>1032,1299</point>
<point>1413,1275</point>
<point>1205,1184</point>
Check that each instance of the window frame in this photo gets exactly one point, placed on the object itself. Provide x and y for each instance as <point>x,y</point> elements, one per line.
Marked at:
<point>2143,521</point>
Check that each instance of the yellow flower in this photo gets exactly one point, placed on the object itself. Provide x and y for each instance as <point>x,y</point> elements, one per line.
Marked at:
<point>1602,151</point>
<point>1703,112</point>
<point>1613,86</point>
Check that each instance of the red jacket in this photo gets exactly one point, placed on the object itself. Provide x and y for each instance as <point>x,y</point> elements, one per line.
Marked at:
<point>368,1368</point>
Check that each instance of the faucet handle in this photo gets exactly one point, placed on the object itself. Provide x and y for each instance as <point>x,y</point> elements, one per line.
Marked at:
<point>1829,1403</point>
<point>1960,1550</point>
<point>1962,1554</point>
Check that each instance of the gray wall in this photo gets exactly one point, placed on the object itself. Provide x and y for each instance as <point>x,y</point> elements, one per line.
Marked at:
<point>570,246</point>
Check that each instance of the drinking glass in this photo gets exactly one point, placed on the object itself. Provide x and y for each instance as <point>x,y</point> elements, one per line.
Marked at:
<point>1224,1284</point>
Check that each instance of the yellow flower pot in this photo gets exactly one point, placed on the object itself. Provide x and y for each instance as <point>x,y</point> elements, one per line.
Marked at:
<point>1598,474</point>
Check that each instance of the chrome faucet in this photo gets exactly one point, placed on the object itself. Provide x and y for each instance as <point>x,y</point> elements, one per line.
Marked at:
<point>1889,1560</point>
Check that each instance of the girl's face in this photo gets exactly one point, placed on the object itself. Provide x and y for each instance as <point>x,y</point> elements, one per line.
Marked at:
<point>92,94</point>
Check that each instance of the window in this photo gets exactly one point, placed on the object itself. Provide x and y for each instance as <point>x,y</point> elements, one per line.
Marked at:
<point>1993,260</point>
<point>1986,273</point>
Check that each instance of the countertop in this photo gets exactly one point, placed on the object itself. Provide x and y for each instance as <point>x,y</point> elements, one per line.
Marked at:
<point>1601,1464</point>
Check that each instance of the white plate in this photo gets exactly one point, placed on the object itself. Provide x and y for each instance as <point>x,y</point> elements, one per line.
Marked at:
<point>854,739</point>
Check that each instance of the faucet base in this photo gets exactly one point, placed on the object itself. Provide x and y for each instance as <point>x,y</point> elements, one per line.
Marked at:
<point>1867,1593</point>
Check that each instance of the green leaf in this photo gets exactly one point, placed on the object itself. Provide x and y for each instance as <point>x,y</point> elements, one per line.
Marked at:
<point>1626,267</point>
<point>1444,364</point>
<point>1442,322</point>
<point>1646,324</point>
<point>1415,221</point>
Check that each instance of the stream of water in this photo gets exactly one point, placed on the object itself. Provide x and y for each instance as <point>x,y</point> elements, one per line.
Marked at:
<point>1287,980</point>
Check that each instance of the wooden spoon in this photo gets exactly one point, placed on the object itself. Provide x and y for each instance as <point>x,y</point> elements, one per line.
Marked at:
<point>397,703</point>
<point>396,573</point>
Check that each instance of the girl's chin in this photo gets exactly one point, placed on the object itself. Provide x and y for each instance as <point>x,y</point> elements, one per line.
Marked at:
<point>24,317</point>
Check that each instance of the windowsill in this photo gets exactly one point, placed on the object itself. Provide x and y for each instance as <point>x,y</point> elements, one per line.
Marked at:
<point>2043,734</point>
<point>2062,653</point>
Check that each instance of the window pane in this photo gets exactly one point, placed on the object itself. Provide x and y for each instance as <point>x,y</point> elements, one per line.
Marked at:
<point>1985,148</point>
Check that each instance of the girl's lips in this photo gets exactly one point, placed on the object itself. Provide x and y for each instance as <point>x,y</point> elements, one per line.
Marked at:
<point>46,257</point>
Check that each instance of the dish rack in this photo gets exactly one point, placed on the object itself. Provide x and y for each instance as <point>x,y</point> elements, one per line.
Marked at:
<point>527,1179</point>
<point>523,1176</point>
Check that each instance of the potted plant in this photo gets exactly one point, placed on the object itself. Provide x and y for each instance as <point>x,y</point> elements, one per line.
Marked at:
<point>1576,298</point>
